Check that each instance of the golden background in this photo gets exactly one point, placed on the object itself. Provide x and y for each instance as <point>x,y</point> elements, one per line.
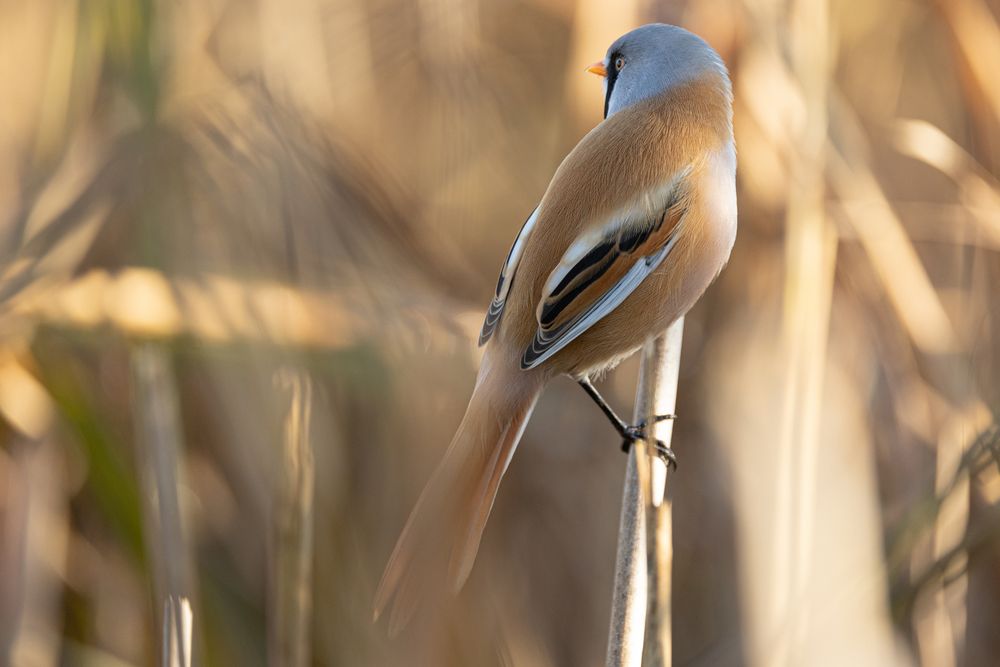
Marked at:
<point>245,248</point>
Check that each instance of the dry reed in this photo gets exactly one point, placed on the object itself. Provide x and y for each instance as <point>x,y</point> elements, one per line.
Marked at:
<point>328,185</point>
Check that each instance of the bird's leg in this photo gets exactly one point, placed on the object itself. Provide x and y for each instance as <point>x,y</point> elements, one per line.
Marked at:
<point>624,430</point>
<point>630,433</point>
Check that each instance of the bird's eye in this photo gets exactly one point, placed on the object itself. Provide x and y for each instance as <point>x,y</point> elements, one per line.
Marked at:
<point>619,63</point>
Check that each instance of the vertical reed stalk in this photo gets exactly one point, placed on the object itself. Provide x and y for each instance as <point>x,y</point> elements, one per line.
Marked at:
<point>293,526</point>
<point>640,615</point>
<point>159,440</point>
<point>176,638</point>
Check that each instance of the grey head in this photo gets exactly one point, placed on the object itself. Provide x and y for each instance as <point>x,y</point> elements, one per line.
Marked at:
<point>649,60</point>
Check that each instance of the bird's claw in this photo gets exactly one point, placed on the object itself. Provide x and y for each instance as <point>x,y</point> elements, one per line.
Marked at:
<point>666,454</point>
<point>656,420</point>
<point>638,432</point>
<point>662,418</point>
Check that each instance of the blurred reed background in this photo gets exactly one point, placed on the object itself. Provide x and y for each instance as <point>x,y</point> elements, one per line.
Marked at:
<point>244,251</point>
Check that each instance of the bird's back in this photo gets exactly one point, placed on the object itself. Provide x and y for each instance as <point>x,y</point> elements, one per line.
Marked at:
<point>637,150</point>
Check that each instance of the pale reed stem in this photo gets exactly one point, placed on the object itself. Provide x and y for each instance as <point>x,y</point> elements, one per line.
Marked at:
<point>159,431</point>
<point>291,607</point>
<point>641,604</point>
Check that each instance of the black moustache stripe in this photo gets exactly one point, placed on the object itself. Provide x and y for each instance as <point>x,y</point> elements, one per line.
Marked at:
<point>612,77</point>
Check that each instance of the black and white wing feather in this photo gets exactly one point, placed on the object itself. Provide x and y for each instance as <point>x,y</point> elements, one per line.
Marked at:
<point>599,271</point>
<point>506,278</point>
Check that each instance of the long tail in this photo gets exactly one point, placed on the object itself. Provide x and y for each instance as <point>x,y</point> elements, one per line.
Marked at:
<point>447,523</point>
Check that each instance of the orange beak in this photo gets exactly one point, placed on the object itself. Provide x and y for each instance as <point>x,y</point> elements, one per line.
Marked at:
<point>598,68</point>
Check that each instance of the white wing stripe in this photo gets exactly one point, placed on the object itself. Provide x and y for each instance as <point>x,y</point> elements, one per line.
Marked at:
<point>515,254</point>
<point>495,311</point>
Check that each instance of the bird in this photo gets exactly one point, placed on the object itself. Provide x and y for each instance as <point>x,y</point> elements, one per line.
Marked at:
<point>637,221</point>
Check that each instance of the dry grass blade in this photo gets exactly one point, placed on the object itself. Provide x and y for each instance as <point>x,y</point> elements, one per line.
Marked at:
<point>979,191</point>
<point>892,254</point>
<point>977,39</point>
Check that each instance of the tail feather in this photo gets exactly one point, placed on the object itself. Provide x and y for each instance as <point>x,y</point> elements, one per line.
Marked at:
<point>442,536</point>
<point>467,544</point>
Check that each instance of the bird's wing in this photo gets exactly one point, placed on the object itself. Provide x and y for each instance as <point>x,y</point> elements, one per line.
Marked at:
<point>507,278</point>
<point>601,268</point>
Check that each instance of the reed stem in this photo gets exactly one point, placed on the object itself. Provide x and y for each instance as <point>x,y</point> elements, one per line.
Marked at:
<point>640,616</point>
<point>159,437</point>
<point>291,591</point>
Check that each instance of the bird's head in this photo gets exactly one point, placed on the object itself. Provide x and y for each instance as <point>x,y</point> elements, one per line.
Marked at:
<point>652,59</point>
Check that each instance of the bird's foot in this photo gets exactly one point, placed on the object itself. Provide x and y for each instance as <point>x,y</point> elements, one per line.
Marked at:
<point>638,432</point>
